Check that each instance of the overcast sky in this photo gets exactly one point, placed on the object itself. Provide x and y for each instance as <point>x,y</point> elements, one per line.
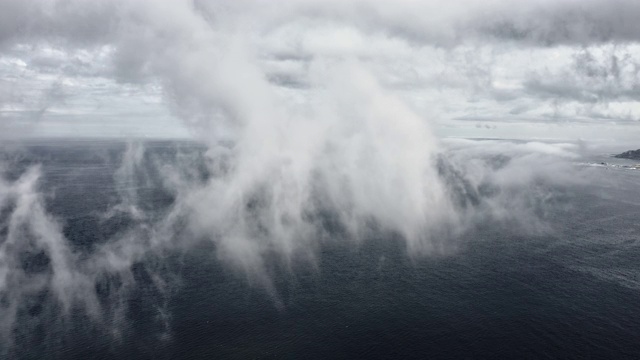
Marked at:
<point>501,69</point>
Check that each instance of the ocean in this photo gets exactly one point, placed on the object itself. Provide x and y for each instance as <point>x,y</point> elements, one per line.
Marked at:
<point>566,289</point>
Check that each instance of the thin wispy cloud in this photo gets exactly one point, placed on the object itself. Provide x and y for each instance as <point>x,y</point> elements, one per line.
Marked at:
<point>315,121</point>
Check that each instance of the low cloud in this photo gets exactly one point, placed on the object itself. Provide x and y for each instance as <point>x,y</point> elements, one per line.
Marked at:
<point>309,126</point>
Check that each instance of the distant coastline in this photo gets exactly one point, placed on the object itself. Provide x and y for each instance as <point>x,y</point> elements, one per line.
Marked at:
<point>631,154</point>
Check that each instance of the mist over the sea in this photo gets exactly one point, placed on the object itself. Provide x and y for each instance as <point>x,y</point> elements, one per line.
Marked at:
<point>107,237</point>
<point>341,179</point>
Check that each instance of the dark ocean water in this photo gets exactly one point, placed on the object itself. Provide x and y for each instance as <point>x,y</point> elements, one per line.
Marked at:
<point>572,291</point>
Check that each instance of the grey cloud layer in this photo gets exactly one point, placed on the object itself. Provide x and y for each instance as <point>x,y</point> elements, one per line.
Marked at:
<point>440,55</point>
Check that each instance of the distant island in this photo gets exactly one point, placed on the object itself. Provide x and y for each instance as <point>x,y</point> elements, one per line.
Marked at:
<point>631,154</point>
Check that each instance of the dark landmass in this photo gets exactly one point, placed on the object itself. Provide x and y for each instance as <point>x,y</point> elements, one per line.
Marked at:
<point>631,154</point>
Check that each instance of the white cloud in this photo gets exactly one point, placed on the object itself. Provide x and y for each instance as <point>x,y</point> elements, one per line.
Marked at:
<point>313,108</point>
<point>446,59</point>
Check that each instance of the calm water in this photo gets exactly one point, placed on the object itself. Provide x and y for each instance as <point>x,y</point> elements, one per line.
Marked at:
<point>571,291</point>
